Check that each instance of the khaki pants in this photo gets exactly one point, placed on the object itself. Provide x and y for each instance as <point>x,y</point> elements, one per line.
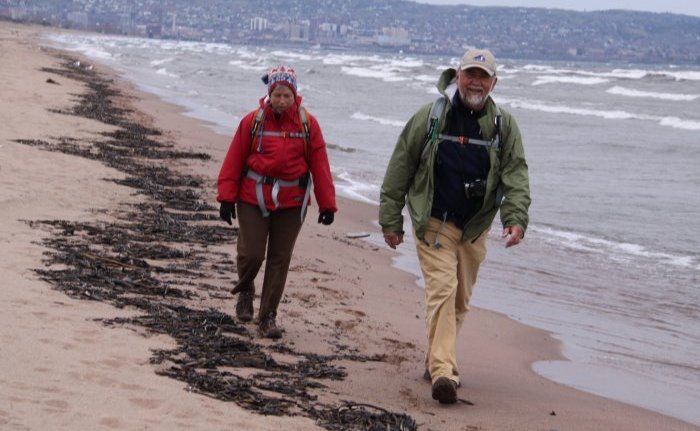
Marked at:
<point>450,274</point>
<point>278,233</point>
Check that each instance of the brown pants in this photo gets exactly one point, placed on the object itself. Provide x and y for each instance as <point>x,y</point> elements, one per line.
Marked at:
<point>278,233</point>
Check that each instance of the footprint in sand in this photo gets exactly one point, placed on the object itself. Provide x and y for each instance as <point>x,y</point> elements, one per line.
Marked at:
<point>146,403</point>
<point>356,313</point>
<point>57,404</point>
<point>113,423</point>
<point>132,387</point>
<point>346,325</point>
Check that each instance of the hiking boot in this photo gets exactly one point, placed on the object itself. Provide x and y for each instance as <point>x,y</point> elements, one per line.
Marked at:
<point>426,377</point>
<point>244,307</point>
<point>445,390</point>
<point>267,328</point>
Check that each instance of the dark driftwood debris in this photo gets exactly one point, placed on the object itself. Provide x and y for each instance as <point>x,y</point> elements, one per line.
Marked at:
<point>173,229</point>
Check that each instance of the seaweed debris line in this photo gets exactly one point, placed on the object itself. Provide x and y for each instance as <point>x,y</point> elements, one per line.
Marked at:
<point>154,256</point>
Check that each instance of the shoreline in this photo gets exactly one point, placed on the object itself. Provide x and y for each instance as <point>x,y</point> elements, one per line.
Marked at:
<point>356,304</point>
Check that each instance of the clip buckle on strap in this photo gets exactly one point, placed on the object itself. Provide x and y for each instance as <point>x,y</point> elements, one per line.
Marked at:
<point>307,197</point>
<point>464,140</point>
<point>259,196</point>
<point>276,185</point>
<point>259,181</point>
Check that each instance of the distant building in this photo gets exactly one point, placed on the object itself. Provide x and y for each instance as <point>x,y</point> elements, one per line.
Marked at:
<point>393,36</point>
<point>299,32</point>
<point>258,24</point>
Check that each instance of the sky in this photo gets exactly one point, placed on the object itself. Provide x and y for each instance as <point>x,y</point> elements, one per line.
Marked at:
<point>685,7</point>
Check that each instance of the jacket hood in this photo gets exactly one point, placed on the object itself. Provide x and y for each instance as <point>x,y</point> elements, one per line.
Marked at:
<point>447,83</point>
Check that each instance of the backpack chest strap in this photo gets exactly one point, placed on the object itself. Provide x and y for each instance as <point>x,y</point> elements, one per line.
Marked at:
<point>464,140</point>
<point>300,135</point>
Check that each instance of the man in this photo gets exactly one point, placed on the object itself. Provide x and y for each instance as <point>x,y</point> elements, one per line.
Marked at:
<point>454,165</point>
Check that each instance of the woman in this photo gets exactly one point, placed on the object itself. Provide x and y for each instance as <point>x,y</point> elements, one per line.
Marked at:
<point>265,182</point>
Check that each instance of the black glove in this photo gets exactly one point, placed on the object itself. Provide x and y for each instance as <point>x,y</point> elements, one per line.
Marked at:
<point>227,211</point>
<point>326,217</point>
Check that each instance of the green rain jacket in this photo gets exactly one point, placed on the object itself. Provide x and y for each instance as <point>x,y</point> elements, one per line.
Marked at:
<point>410,180</point>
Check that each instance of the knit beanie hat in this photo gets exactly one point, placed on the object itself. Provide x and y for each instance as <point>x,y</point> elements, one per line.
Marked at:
<point>281,75</point>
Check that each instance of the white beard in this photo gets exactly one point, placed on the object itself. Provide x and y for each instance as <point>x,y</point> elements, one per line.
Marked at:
<point>475,102</point>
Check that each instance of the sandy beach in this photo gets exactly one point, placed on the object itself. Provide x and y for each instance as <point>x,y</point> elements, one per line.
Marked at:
<point>108,247</point>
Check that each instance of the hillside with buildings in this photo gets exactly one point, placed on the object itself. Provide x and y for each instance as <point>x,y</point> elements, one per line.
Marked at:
<point>394,25</point>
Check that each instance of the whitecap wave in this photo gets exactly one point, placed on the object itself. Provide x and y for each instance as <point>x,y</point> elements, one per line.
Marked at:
<point>548,79</point>
<point>675,122</point>
<point>627,74</point>
<point>349,59</point>
<point>629,92</point>
<point>632,74</point>
<point>559,109</point>
<point>247,53</point>
<point>621,73</point>
<point>538,68</point>
<point>407,62</point>
<point>382,121</point>
<point>616,249</point>
<point>679,123</point>
<point>425,78</point>
<point>292,55</point>
<point>246,65</point>
<point>163,71</point>
<point>385,74</point>
<point>355,189</point>
<point>681,75</point>
<point>77,44</point>
<point>162,61</point>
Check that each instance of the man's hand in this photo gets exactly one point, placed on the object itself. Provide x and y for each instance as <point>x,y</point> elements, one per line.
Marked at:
<point>393,239</point>
<point>513,235</point>
<point>227,211</point>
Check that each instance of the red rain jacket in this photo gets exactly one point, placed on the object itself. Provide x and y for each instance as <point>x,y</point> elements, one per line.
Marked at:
<point>283,158</point>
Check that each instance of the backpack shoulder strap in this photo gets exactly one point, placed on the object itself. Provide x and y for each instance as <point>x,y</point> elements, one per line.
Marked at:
<point>303,117</point>
<point>433,126</point>
<point>255,128</point>
<point>499,128</point>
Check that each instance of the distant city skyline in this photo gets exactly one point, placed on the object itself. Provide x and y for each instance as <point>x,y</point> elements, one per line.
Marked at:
<point>684,7</point>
